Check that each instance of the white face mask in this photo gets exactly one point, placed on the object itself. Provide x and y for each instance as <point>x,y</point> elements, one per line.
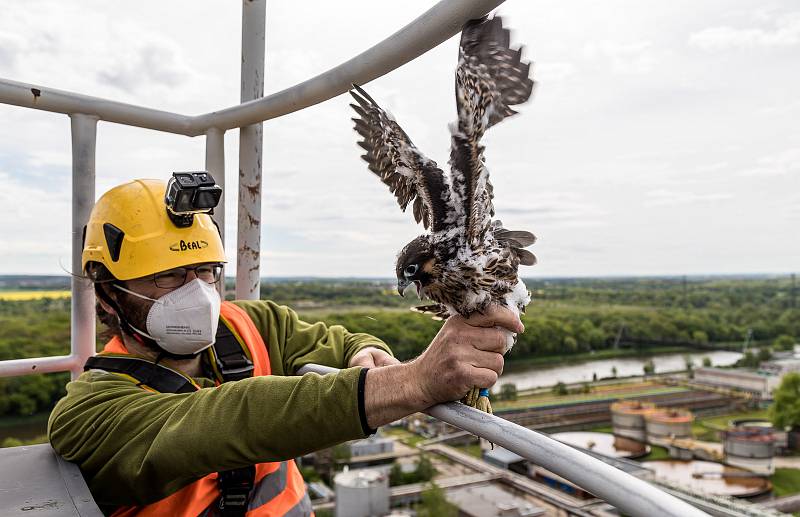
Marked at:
<point>183,321</point>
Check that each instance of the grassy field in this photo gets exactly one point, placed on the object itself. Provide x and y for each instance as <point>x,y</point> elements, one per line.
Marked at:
<point>472,449</point>
<point>613,391</point>
<point>18,296</point>
<point>785,482</point>
<point>656,453</point>
<point>707,428</point>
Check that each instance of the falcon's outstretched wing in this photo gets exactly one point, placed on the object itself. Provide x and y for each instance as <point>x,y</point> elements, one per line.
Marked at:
<point>392,156</point>
<point>490,78</point>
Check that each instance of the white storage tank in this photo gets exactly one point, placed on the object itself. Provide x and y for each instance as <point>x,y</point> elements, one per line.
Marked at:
<point>751,448</point>
<point>361,493</point>
<point>627,419</point>
<point>663,425</point>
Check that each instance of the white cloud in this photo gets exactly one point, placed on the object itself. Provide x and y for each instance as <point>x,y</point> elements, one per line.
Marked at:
<point>553,72</point>
<point>30,233</point>
<point>780,109</point>
<point>635,57</point>
<point>664,197</point>
<point>151,64</point>
<point>784,33</point>
<point>778,164</point>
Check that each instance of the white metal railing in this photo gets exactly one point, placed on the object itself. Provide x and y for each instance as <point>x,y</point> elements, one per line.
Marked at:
<point>628,493</point>
<point>436,25</point>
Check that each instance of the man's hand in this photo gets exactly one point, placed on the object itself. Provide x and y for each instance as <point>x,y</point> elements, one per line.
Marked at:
<point>465,353</point>
<point>371,357</point>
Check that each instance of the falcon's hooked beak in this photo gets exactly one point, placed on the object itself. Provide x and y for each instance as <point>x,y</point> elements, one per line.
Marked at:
<point>402,285</point>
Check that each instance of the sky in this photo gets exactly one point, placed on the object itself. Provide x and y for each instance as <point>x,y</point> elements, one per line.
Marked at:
<point>662,138</point>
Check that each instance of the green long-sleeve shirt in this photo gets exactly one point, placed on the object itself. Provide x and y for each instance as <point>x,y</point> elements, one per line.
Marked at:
<point>135,447</point>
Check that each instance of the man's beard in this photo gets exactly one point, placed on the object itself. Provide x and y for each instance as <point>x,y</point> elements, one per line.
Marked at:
<point>135,311</point>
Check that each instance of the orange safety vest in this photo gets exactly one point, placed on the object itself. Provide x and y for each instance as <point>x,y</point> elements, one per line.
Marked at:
<point>278,490</point>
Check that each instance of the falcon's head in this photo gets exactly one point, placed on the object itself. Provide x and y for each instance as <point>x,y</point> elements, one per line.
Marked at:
<point>415,265</point>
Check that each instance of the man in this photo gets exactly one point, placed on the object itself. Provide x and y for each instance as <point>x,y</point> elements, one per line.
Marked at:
<point>192,408</point>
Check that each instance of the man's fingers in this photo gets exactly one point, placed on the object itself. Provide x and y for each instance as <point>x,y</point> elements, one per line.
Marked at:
<point>484,377</point>
<point>365,361</point>
<point>387,360</point>
<point>489,339</point>
<point>497,316</point>
<point>491,360</point>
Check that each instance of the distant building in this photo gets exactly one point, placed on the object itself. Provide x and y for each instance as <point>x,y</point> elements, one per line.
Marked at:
<point>319,491</point>
<point>780,367</point>
<point>505,459</point>
<point>491,501</point>
<point>428,426</point>
<point>634,468</point>
<point>375,444</point>
<point>759,383</point>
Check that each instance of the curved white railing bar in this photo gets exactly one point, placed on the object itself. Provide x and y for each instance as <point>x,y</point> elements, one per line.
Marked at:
<point>439,23</point>
<point>52,364</point>
<point>436,25</point>
<point>629,494</point>
<point>60,101</point>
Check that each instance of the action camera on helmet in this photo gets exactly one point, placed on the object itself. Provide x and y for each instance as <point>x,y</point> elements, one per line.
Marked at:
<point>190,193</point>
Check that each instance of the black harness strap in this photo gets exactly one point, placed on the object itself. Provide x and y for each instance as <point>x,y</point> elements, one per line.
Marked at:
<point>232,361</point>
<point>236,485</point>
<point>158,377</point>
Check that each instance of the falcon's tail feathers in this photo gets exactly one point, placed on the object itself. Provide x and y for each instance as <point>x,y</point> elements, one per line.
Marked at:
<point>519,238</point>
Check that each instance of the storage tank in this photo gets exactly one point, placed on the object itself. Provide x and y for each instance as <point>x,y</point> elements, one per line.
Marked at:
<point>627,419</point>
<point>361,493</point>
<point>781,436</point>
<point>751,448</point>
<point>663,425</point>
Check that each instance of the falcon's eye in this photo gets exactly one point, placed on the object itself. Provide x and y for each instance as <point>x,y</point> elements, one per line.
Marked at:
<point>411,270</point>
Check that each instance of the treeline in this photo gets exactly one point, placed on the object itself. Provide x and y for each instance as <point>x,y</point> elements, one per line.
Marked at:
<point>567,317</point>
<point>775,292</point>
<point>332,293</point>
<point>556,329</point>
<point>33,328</point>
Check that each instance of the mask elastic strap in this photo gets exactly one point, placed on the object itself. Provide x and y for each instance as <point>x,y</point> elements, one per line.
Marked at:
<point>134,293</point>
<point>142,337</point>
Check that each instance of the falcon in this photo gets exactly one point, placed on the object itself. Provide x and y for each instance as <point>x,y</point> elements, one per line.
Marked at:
<point>467,260</point>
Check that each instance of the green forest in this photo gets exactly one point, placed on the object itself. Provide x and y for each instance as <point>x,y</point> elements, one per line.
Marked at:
<point>567,317</point>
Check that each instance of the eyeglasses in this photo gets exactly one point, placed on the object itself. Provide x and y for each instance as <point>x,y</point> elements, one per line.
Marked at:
<point>176,277</point>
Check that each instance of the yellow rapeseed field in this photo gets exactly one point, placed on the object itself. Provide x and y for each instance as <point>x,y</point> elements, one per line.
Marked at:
<point>32,295</point>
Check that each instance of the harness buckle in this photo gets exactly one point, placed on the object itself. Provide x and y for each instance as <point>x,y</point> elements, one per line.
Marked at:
<point>232,500</point>
<point>236,369</point>
<point>234,487</point>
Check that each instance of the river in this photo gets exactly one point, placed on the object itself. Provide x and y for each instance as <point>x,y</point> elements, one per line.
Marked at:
<point>540,376</point>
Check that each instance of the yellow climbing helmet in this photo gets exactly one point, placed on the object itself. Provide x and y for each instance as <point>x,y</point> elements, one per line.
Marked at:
<point>131,233</point>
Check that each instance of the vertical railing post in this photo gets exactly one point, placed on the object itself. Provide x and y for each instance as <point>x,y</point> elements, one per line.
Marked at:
<point>248,258</point>
<point>82,335</point>
<point>215,164</point>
